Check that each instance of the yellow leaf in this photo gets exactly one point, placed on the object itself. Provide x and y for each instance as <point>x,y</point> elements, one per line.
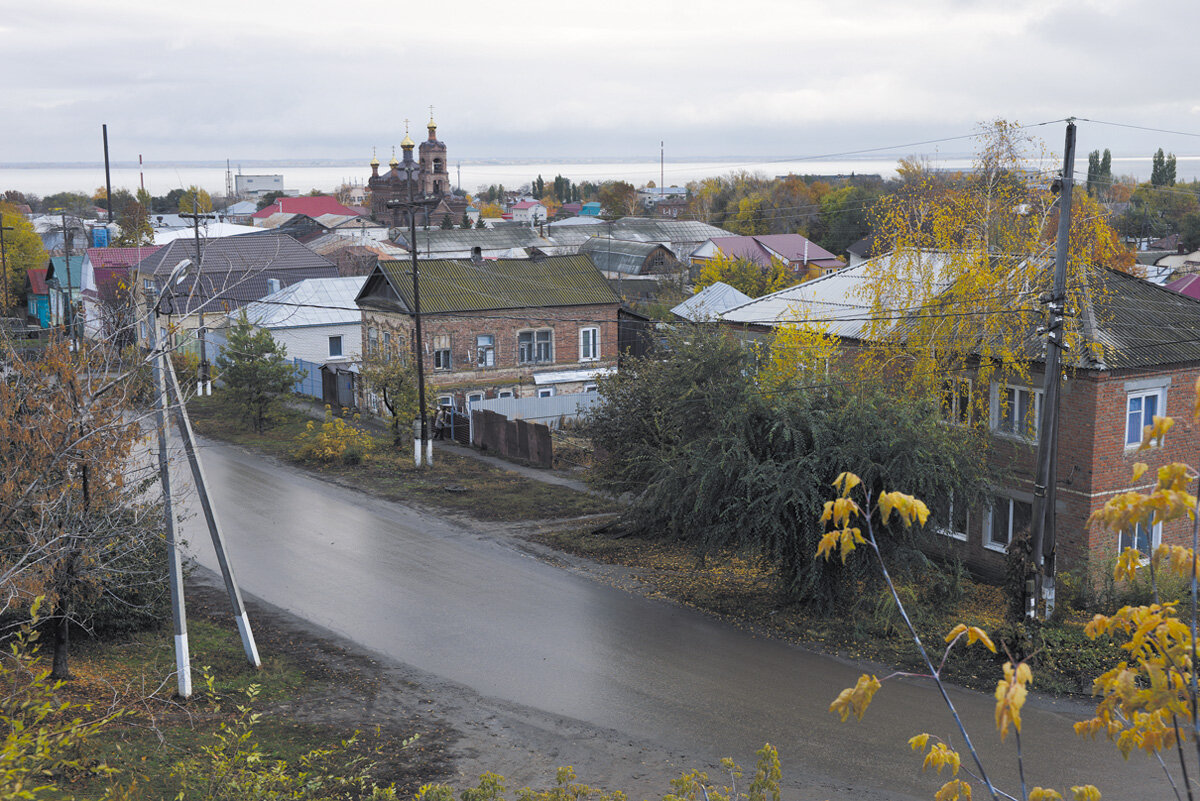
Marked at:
<point>1086,792</point>
<point>1139,469</point>
<point>886,503</point>
<point>976,634</point>
<point>1044,794</point>
<point>855,699</point>
<point>918,743</point>
<point>954,632</point>
<point>846,482</point>
<point>955,790</point>
<point>1127,564</point>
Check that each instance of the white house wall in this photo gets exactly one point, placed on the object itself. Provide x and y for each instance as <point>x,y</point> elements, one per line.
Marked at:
<point>311,343</point>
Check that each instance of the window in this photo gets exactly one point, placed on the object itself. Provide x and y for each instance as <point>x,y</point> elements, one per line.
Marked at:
<point>589,344</point>
<point>956,400</point>
<point>1017,411</point>
<point>335,346</point>
<point>535,346</point>
<point>445,400</point>
<point>372,340</point>
<point>590,388</point>
<point>473,398</point>
<point>952,519</point>
<point>485,350</point>
<point>505,393</point>
<point>1140,409</point>
<point>546,392</point>
<point>441,352</point>
<point>148,284</point>
<point>1143,537</point>
<point>1007,517</point>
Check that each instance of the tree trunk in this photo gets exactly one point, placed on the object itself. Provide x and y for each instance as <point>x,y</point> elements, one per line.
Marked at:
<point>61,630</point>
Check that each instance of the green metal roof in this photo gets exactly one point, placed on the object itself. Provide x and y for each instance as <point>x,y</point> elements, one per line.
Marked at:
<point>458,285</point>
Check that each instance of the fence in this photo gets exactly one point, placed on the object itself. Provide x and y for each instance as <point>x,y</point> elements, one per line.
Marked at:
<point>310,384</point>
<point>551,411</point>
<point>516,439</point>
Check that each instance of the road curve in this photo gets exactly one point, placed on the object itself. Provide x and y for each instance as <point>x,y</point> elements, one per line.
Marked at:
<point>473,610</point>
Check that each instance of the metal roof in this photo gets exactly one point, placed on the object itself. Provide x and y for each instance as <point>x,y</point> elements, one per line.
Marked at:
<point>313,301</point>
<point>459,242</point>
<point>621,256</point>
<point>1138,323</point>
<point>710,302</point>
<point>458,285</point>
<point>234,271</point>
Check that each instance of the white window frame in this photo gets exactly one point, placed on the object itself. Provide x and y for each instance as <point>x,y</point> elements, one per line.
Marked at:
<point>1138,391</point>
<point>990,519</point>
<point>591,388</point>
<point>505,393</point>
<point>336,339</point>
<point>998,411</point>
<point>445,400</point>
<point>1155,540</point>
<point>485,355</point>
<point>545,392</point>
<point>589,344</point>
<point>955,408</point>
<point>948,529</point>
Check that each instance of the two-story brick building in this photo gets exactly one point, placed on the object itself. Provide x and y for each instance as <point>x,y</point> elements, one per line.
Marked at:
<point>1148,365</point>
<point>497,328</point>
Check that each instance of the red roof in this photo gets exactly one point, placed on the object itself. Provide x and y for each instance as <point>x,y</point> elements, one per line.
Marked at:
<point>119,257</point>
<point>37,281</point>
<point>525,204</point>
<point>790,246</point>
<point>1188,285</point>
<point>311,205</point>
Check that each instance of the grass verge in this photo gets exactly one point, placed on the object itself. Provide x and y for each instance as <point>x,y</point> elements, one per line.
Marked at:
<point>455,483</point>
<point>308,693</point>
<point>745,591</point>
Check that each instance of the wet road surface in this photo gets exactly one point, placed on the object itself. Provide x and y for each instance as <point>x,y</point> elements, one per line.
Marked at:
<point>473,610</point>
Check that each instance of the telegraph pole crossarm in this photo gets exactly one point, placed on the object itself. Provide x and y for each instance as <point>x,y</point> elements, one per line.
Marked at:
<point>1043,534</point>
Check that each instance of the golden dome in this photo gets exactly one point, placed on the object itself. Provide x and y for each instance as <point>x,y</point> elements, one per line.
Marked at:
<point>408,144</point>
<point>374,159</point>
<point>393,162</point>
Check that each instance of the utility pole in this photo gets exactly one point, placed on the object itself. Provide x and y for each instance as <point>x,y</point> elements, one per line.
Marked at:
<point>203,383</point>
<point>68,307</point>
<point>107,174</point>
<point>210,517</point>
<point>4,259</point>
<point>1044,494</point>
<point>423,444</point>
<point>174,564</point>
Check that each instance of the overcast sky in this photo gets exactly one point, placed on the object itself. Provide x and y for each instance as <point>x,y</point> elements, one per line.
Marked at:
<point>255,80</point>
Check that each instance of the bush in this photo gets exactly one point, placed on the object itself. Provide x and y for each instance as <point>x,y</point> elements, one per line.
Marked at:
<point>336,442</point>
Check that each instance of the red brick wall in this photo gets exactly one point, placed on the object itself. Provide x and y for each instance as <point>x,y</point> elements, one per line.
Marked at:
<point>507,374</point>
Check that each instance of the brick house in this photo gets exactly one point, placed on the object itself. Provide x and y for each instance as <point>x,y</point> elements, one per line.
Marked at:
<point>1150,364</point>
<point>497,328</point>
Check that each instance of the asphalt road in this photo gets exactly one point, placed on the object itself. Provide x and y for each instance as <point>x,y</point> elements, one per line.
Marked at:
<point>469,608</point>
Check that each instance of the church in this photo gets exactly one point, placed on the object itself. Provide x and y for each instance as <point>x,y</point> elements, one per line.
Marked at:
<point>409,179</point>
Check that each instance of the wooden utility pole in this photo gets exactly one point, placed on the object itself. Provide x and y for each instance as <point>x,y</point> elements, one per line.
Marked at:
<point>203,382</point>
<point>1044,495</point>
<point>4,260</point>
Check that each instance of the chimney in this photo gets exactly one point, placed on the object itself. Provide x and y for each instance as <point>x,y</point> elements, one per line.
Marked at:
<point>477,255</point>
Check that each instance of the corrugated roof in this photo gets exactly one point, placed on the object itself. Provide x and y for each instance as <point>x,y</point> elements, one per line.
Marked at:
<point>37,280</point>
<point>119,257</point>
<point>1140,324</point>
<point>313,301</point>
<point>235,270</point>
<point>311,205</point>
<point>457,285</point>
<point>791,247</point>
<point>710,302</point>
<point>211,230</point>
<point>620,256</point>
<point>65,273</point>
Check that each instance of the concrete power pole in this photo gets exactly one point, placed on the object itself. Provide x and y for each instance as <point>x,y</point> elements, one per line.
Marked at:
<point>203,382</point>
<point>1044,495</point>
<point>183,665</point>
